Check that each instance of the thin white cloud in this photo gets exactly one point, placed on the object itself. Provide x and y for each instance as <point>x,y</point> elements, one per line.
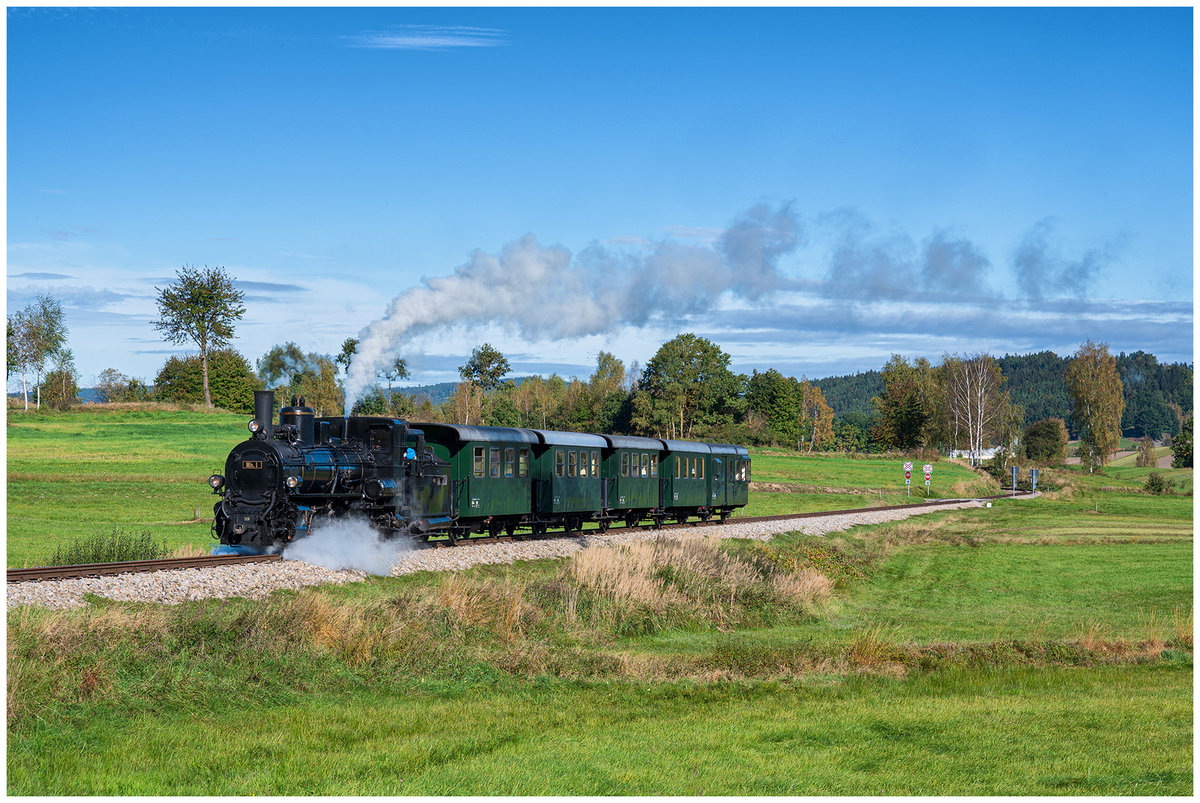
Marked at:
<point>706,235</point>
<point>430,37</point>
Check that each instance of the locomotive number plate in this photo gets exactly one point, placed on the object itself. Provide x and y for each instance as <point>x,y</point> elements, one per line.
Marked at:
<point>253,465</point>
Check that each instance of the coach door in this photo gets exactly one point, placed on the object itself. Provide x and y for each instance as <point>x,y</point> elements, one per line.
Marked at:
<point>717,498</point>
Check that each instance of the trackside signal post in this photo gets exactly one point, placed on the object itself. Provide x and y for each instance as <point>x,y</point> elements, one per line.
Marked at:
<point>928,477</point>
<point>908,478</point>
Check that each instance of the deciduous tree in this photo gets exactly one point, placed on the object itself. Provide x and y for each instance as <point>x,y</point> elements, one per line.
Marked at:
<point>975,402</point>
<point>201,307</point>
<point>1145,455</point>
<point>18,351</point>
<point>686,385</point>
<point>816,417</point>
<point>1097,402</point>
<point>486,368</point>
<point>38,334</point>
<point>902,411</point>
<point>1046,441</point>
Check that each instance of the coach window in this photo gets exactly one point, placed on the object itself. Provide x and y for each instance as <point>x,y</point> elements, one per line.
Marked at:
<point>523,463</point>
<point>645,466</point>
<point>583,464</point>
<point>478,461</point>
<point>653,465</point>
<point>700,461</point>
<point>494,462</point>
<point>572,464</point>
<point>595,464</point>
<point>625,465</point>
<point>692,467</point>
<point>509,455</point>
<point>558,463</point>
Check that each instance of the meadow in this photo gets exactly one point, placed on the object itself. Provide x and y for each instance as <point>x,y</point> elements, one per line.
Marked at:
<point>1035,647</point>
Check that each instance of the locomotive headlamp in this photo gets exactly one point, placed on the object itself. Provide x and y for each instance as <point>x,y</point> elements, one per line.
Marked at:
<point>254,426</point>
<point>216,481</point>
<point>292,482</point>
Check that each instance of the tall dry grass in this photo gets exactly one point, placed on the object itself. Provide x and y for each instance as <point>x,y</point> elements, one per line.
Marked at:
<point>1181,622</point>
<point>675,581</point>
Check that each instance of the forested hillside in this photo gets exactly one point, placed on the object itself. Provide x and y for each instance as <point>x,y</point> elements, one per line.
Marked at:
<point>851,394</point>
<point>1158,396</point>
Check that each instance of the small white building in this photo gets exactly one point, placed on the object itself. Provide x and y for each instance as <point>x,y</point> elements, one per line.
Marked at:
<point>982,454</point>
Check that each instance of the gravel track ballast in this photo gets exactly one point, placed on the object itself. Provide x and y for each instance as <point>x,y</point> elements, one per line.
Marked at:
<point>257,581</point>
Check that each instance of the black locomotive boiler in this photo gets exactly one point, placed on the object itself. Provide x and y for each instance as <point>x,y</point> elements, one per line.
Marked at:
<point>284,476</point>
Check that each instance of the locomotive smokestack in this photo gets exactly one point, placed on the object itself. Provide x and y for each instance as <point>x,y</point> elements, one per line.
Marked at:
<point>264,407</point>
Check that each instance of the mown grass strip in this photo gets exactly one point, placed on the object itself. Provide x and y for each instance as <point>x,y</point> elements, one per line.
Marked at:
<point>1112,730</point>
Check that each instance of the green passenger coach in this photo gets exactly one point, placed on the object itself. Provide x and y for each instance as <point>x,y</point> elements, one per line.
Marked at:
<point>504,478</point>
<point>631,477</point>
<point>566,473</point>
<point>492,469</point>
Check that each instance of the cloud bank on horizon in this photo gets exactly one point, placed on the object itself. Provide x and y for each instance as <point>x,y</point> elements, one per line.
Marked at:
<point>929,297</point>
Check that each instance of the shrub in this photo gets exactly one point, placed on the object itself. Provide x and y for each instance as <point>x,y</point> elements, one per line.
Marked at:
<point>230,381</point>
<point>115,547</point>
<point>1156,483</point>
<point>59,389</point>
<point>113,386</point>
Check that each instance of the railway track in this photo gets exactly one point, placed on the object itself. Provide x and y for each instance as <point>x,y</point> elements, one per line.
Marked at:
<point>127,566</point>
<point>492,539</point>
<point>204,561</point>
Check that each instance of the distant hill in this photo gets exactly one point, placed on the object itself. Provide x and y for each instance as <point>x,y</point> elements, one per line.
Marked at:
<point>1156,394</point>
<point>851,394</point>
<point>441,392</point>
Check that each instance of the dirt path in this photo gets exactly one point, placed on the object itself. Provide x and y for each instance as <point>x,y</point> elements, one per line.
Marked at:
<point>1074,461</point>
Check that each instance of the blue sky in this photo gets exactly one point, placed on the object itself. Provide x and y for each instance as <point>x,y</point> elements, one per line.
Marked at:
<point>894,180</point>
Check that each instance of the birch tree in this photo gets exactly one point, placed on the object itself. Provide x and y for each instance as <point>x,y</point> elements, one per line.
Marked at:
<point>816,416</point>
<point>1098,402</point>
<point>975,403</point>
<point>18,351</point>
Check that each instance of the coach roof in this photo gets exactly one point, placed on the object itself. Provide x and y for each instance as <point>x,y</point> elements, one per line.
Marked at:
<point>633,442</point>
<point>485,434</point>
<point>553,438</point>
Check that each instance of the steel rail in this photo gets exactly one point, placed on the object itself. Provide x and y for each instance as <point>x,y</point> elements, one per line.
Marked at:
<point>204,561</point>
<point>129,566</point>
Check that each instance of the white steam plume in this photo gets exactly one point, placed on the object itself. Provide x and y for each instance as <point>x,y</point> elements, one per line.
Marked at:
<point>347,544</point>
<point>545,293</point>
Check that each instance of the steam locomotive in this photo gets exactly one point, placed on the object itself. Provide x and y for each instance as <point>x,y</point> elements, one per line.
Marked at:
<point>446,480</point>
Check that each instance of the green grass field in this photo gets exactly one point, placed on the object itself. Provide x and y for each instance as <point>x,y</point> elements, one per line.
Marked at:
<point>82,473</point>
<point>1035,647</point>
